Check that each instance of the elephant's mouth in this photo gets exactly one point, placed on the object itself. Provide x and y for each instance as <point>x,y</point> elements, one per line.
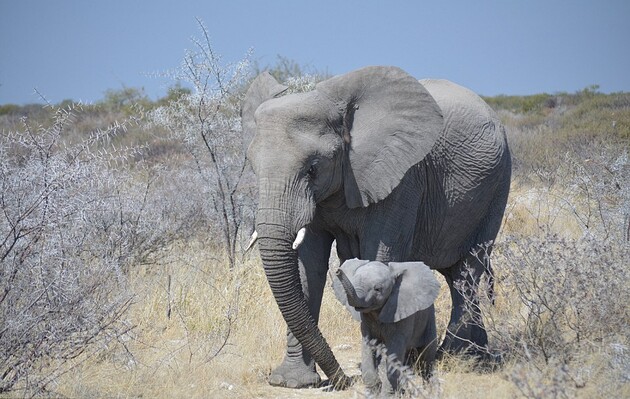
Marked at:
<point>365,309</point>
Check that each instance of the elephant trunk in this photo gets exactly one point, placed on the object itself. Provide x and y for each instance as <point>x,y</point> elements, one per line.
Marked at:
<point>353,298</point>
<point>276,236</point>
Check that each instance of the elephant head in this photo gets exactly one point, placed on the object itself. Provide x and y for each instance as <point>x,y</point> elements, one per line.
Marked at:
<point>350,140</point>
<point>395,291</point>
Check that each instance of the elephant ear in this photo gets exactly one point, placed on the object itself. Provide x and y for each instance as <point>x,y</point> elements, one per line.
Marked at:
<point>260,90</point>
<point>349,267</point>
<point>415,289</point>
<point>391,122</point>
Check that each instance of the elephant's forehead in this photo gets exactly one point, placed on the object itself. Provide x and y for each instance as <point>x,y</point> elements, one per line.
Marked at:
<point>291,129</point>
<point>375,271</point>
<point>294,109</point>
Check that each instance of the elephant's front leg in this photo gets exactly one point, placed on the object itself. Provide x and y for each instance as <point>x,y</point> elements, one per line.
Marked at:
<point>465,332</point>
<point>394,364</point>
<point>298,367</point>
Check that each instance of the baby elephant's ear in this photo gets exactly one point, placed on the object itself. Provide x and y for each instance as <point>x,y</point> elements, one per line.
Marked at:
<point>415,289</point>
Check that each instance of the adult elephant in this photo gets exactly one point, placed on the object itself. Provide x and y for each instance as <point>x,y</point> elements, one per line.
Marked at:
<point>394,169</point>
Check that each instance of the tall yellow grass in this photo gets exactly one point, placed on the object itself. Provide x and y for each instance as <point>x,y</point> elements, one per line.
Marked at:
<point>224,333</point>
<point>223,337</point>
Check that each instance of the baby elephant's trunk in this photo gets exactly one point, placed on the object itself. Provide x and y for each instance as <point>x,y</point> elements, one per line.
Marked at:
<point>353,299</point>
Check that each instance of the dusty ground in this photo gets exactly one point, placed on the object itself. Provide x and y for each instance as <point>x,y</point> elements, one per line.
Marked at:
<point>188,355</point>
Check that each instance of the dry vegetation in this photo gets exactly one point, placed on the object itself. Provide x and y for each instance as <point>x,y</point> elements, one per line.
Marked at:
<point>123,275</point>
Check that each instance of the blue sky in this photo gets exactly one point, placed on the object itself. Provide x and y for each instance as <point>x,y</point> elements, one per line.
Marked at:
<point>78,49</point>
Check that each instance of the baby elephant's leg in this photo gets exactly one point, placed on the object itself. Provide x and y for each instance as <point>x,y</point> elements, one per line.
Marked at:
<point>394,366</point>
<point>428,347</point>
<point>369,367</point>
<point>426,359</point>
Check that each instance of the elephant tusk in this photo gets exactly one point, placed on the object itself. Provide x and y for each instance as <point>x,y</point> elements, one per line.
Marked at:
<point>252,241</point>
<point>299,238</point>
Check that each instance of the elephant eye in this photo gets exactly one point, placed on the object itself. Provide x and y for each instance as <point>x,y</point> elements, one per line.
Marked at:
<point>312,172</point>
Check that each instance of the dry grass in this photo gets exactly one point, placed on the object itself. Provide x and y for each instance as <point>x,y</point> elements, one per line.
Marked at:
<point>532,210</point>
<point>225,332</point>
<point>177,357</point>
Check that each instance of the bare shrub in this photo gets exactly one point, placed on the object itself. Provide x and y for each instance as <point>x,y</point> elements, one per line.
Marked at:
<point>563,287</point>
<point>550,382</point>
<point>573,292</point>
<point>561,315</point>
<point>207,121</point>
<point>62,251</point>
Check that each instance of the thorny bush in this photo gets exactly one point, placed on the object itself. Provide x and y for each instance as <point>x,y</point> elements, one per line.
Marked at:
<point>563,291</point>
<point>72,221</point>
<point>207,122</point>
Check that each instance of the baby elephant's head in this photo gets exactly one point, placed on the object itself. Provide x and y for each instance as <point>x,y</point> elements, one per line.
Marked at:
<point>396,290</point>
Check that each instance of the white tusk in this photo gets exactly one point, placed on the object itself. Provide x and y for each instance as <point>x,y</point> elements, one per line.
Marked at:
<point>299,238</point>
<point>252,241</point>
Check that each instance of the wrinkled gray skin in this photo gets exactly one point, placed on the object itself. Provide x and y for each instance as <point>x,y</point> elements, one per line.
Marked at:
<point>392,168</point>
<point>394,303</point>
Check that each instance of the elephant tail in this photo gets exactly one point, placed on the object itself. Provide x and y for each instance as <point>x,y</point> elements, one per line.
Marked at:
<point>490,273</point>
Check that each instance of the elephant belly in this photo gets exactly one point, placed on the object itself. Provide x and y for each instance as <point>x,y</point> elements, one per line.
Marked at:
<point>420,220</point>
<point>462,227</point>
<point>383,231</point>
<point>376,244</point>
<point>406,334</point>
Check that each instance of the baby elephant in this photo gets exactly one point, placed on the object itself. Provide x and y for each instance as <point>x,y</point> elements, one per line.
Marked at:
<point>394,303</point>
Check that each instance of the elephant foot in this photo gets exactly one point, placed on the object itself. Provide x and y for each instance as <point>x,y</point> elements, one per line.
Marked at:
<point>294,374</point>
<point>490,362</point>
<point>471,340</point>
<point>373,391</point>
<point>372,382</point>
<point>474,347</point>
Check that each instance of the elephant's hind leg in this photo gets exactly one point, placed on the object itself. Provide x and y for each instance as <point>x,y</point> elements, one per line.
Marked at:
<point>465,332</point>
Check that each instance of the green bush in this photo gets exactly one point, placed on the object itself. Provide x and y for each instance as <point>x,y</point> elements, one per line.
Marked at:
<point>522,104</point>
